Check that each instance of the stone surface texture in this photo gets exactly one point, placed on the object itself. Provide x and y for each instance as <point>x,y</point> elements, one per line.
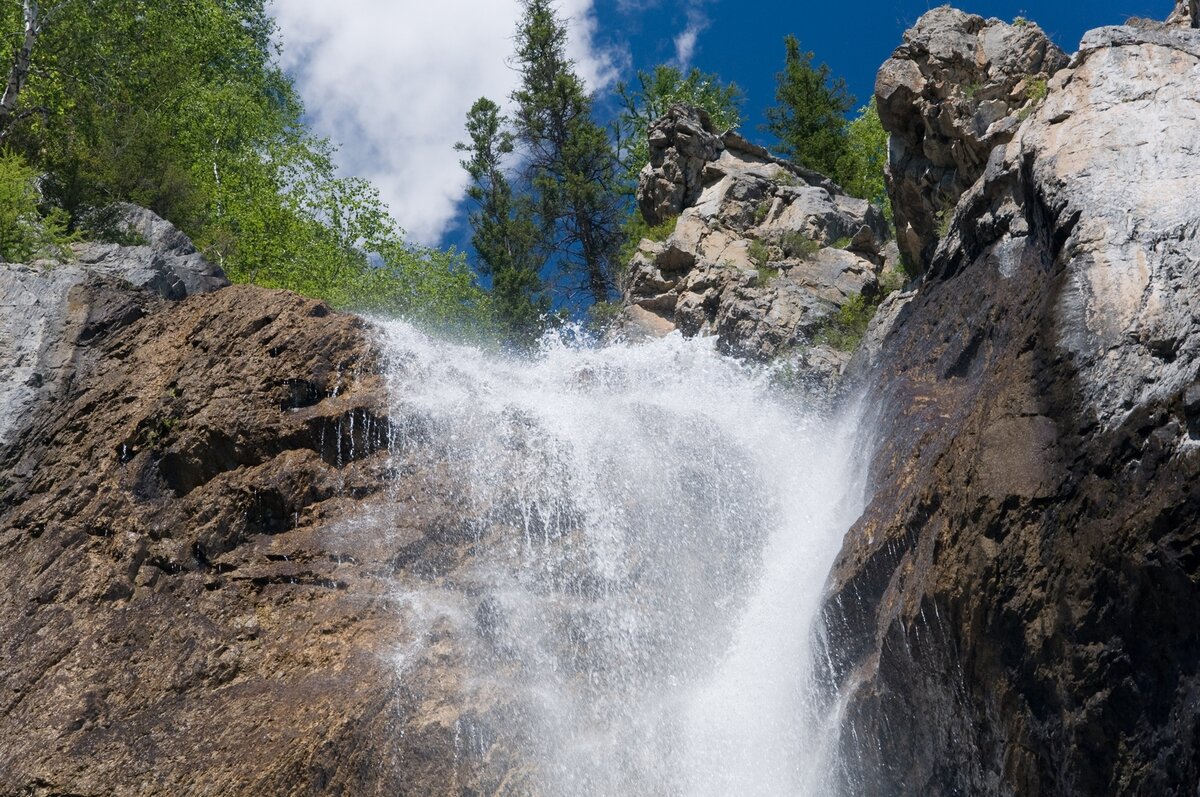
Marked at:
<point>187,605</point>
<point>752,258</point>
<point>48,310</point>
<point>958,87</point>
<point>1015,612</point>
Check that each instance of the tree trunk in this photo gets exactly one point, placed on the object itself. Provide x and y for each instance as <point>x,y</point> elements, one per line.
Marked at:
<point>19,72</point>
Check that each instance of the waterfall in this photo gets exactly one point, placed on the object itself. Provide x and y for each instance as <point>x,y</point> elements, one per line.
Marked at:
<point>650,526</point>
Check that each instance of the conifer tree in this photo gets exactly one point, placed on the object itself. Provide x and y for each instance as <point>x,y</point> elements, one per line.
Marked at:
<point>810,118</point>
<point>504,231</point>
<point>573,172</point>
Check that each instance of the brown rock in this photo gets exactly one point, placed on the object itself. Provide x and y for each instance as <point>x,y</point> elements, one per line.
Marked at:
<point>184,606</point>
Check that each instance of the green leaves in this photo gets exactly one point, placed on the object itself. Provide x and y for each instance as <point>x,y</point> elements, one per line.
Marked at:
<point>860,169</point>
<point>24,233</point>
<point>179,105</point>
<point>505,233</point>
<point>571,168</point>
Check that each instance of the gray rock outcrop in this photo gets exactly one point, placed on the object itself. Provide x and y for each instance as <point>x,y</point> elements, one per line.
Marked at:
<point>48,311</point>
<point>763,253</point>
<point>958,87</point>
<point>1019,596</point>
<point>1186,14</point>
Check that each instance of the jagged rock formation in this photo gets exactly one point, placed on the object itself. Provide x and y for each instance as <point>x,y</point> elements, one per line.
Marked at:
<point>1014,613</point>
<point>763,252</point>
<point>957,88</point>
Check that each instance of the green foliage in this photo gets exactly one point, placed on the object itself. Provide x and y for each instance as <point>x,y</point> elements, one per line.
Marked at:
<point>25,234</point>
<point>861,169</point>
<point>842,243</point>
<point>944,218</point>
<point>505,234</point>
<point>636,229</point>
<point>846,328</point>
<point>766,274</point>
<point>1035,91</point>
<point>180,106</point>
<point>891,281</point>
<point>762,211</point>
<point>971,89</point>
<point>796,244</point>
<point>759,252</point>
<point>601,316</point>
<point>809,119</point>
<point>1021,22</point>
<point>656,93</point>
<point>572,168</point>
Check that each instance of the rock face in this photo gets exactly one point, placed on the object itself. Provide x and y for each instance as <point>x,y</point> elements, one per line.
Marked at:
<point>956,88</point>
<point>763,253</point>
<point>185,604</point>
<point>1020,596</point>
<point>1186,14</point>
<point>47,312</point>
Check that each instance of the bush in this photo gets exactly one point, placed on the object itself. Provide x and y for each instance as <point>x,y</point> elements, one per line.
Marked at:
<point>25,234</point>
<point>846,329</point>
<point>759,253</point>
<point>796,244</point>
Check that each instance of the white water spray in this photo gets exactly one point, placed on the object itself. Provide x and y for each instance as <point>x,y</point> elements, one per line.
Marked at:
<point>653,526</point>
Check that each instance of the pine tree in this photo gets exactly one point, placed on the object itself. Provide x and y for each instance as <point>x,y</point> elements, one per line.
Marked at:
<point>504,231</point>
<point>572,167</point>
<point>810,119</point>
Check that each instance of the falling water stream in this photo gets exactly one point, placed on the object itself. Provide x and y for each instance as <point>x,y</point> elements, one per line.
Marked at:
<point>654,524</point>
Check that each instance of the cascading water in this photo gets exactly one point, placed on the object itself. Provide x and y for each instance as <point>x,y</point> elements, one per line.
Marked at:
<point>652,526</point>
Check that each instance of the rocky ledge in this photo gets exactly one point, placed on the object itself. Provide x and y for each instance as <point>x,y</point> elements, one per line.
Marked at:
<point>186,606</point>
<point>762,253</point>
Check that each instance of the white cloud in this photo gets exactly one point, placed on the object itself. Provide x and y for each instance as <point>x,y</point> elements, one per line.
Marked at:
<point>391,82</point>
<point>685,41</point>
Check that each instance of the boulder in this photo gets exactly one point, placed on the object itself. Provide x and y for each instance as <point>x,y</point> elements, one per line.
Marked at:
<point>49,313</point>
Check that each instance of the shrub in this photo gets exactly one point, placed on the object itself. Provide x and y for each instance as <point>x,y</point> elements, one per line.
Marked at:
<point>760,212</point>
<point>796,244</point>
<point>1035,91</point>
<point>759,253</point>
<point>636,229</point>
<point>766,275</point>
<point>846,328</point>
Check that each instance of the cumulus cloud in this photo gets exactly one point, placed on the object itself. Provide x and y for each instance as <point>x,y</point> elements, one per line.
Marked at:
<point>392,82</point>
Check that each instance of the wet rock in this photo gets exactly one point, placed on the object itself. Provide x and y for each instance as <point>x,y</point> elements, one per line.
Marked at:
<point>958,87</point>
<point>1018,595</point>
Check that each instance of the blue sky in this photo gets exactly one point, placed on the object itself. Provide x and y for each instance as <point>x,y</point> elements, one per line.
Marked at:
<point>743,41</point>
<point>391,80</point>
